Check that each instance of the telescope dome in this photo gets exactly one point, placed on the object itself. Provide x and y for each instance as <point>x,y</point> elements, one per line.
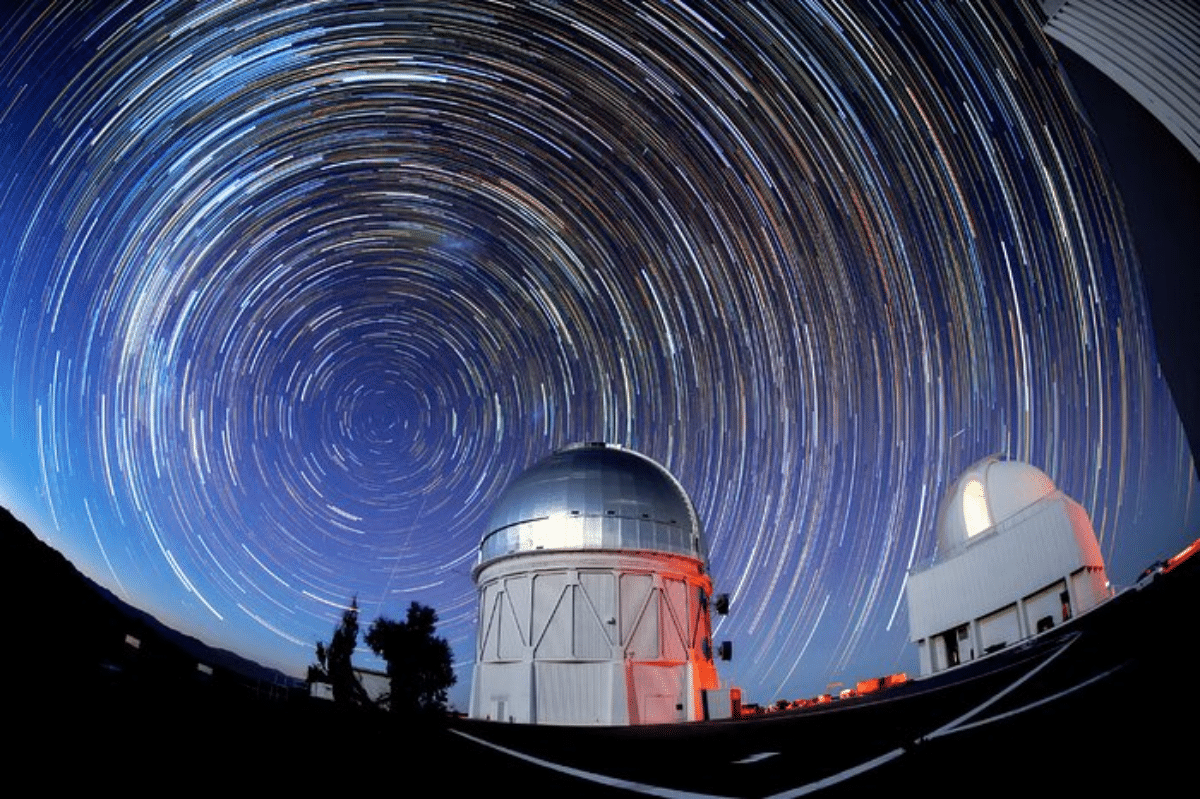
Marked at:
<point>987,494</point>
<point>593,496</point>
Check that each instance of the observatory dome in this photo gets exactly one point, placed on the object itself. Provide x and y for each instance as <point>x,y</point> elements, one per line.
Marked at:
<point>593,496</point>
<point>987,494</point>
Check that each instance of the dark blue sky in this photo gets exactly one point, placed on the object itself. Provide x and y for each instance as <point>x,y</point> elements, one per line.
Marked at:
<point>291,293</point>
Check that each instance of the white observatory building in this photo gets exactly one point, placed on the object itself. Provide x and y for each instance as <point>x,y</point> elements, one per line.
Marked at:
<point>594,596</point>
<point>1015,557</point>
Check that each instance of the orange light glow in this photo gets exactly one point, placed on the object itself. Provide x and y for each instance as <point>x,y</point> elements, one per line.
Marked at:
<point>1182,555</point>
<point>869,686</point>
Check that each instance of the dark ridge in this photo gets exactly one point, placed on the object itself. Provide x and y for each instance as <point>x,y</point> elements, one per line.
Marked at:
<point>66,630</point>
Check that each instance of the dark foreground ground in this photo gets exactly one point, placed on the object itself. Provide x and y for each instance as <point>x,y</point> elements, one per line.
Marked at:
<point>1109,705</point>
<point>1110,709</point>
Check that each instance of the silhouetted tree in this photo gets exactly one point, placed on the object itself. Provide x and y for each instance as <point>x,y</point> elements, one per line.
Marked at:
<point>334,662</point>
<point>419,665</point>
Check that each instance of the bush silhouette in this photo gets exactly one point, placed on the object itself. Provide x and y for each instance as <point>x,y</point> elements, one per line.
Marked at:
<point>419,664</point>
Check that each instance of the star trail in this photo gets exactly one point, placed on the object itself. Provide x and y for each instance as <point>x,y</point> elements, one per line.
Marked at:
<point>291,291</point>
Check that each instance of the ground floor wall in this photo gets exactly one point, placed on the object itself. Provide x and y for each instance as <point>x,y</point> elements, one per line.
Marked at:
<point>1043,609</point>
<point>593,638</point>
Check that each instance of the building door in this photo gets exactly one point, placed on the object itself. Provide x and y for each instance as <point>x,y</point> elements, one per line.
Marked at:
<point>950,641</point>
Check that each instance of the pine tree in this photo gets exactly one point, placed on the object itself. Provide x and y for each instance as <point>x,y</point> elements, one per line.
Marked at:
<point>334,662</point>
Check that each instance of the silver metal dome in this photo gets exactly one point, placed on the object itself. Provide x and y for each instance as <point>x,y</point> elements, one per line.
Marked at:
<point>593,496</point>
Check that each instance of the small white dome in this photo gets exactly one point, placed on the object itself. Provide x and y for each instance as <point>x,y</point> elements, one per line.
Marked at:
<point>986,494</point>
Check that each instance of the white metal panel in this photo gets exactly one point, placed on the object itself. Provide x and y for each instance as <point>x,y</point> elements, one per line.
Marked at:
<point>506,687</point>
<point>520,597</point>
<point>997,629</point>
<point>643,643</point>
<point>674,620</point>
<point>489,623</point>
<point>1151,50</point>
<point>552,616</point>
<point>1089,588</point>
<point>512,640</point>
<point>635,592</point>
<point>590,633</point>
<point>1047,602</point>
<point>573,693</point>
<point>658,693</point>
<point>720,703</point>
<point>600,589</point>
<point>595,608</point>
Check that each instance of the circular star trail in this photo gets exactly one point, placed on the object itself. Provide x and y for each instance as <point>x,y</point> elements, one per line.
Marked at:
<point>291,292</point>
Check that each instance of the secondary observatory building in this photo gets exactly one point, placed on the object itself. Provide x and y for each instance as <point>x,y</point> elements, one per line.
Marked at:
<point>594,596</point>
<point>1015,557</point>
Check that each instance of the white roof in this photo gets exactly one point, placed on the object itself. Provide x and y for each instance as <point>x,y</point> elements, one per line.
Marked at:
<point>988,493</point>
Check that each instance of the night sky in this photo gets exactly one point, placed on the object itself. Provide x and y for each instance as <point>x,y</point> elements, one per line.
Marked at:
<point>289,292</point>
